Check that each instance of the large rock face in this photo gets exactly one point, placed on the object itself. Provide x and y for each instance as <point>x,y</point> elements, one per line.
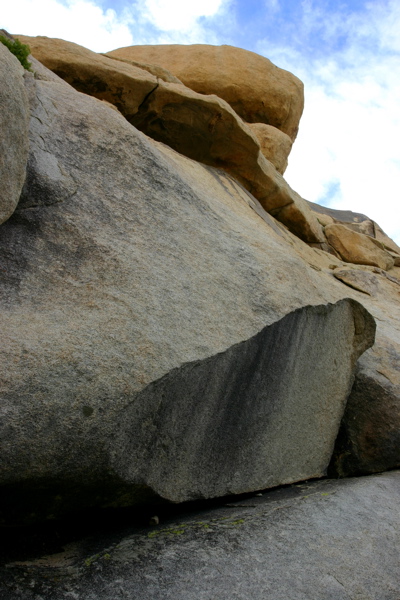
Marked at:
<point>14,121</point>
<point>256,89</point>
<point>124,262</point>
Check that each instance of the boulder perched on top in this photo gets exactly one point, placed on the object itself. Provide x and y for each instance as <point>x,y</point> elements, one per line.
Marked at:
<point>14,129</point>
<point>358,248</point>
<point>359,223</point>
<point>203,127</point>
<point>206,129</point>
<point>117,82</point>
<point>256,89</point>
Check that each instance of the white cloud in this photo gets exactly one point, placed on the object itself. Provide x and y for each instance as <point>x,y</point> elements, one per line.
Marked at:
<point>88,23</point>
<point>178,15</point>
<point>79,21</point>
<point>347,149</point>
<point>347,152</point>
<point>273,6</point>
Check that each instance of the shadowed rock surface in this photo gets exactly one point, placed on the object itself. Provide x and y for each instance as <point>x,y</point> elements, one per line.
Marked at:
<point>263,413</point>
<point>326,540</point>
<point>369,438</point>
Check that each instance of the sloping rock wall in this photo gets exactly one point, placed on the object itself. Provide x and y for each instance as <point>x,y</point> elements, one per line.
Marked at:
<point>123,261</point>
<point>14,123</point>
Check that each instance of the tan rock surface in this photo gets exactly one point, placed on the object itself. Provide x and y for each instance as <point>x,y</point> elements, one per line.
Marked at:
<point>14,123</point>
<point>357,222</point>
<point>155,70</point>
<point>300,220</point>
<point>202,127</point>
<point>343,217</point>
<point>357,248</point>
<point>396,258</point>
<point>360,280</point>
<point>121,84</point>
<point>385,239</point>
<point>206,129</point>
<point>256,89</point>
<point>274,144</point>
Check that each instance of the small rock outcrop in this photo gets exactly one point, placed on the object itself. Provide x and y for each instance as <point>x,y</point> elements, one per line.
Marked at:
<point>360,280</point>
<point>257,90</point>
<point>361,224</point>
<point>274,144</point>
<point>14,130</point>
<point>358,248</point>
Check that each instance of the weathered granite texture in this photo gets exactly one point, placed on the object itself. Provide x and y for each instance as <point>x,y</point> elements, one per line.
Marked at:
<point>263,413</point>
<point>124,261</point>
<point>14,130</point>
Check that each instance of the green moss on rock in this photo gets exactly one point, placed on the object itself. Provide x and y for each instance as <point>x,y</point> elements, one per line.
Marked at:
<point>21,51</point>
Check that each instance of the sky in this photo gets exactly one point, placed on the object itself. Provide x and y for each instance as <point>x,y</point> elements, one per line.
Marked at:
<point>347,53</point>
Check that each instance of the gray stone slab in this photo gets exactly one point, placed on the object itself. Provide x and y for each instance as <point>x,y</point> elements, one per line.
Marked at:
<point>326,540</point>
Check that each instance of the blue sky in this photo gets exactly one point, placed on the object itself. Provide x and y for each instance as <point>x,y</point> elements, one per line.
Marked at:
<point>347,54</point>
